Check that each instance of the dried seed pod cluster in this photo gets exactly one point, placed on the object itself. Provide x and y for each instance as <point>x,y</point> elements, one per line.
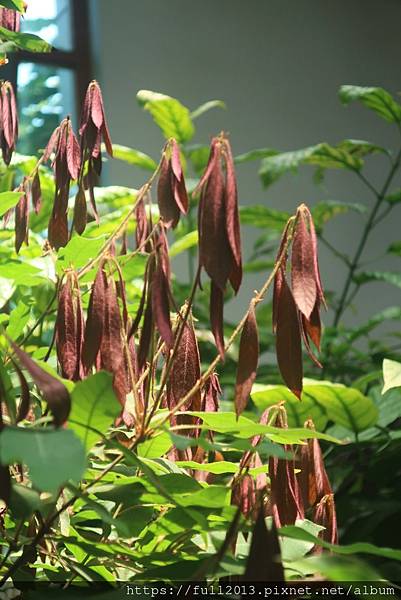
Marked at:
<point>296,309</point>
<point>172,195</point>
<point>219,231</point>
<point>8,118</point>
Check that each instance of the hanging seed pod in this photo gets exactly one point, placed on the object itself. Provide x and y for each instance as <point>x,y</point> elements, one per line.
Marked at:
<point>264,559</point>
<point>80,211</point>
<point>36,192</point>
<point>22,218</point>
<point>171,191</point>
<point>66,164</point>
<point>95,319</point>
<point>8,116</point>
<point>325,515</point>
<point>285,495</point>
<point>23,408</point>
<point>69,328</point>
<point>53,390</point>
<point>304,287</point>
<point>288,340</point>
<point>247,361</point>
<point>219,232</point>
<point>313,480</point>
<point>212,394</point>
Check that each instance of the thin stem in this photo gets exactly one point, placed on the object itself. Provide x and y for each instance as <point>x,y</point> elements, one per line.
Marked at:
<point>370,223</point>
<point>334,250</point>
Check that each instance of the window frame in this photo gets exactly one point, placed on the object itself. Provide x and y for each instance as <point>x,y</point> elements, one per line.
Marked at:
<point>78,59</point>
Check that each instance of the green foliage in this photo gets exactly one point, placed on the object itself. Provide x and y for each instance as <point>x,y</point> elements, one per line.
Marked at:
<point>375,98</point>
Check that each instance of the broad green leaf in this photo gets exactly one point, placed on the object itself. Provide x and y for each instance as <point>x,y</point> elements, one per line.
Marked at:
<point>255,155</point>
<point>321,401</point>
<point>78,252</point>
<point>19,318</point>
<point>384,276</point>
<point>155,447</point>
<point>114,197</point>
<point>293,549</point>
<point>262,216</point>
<point>187,241</point>
<point>24,501</point>
<point>169,114</point>
<point>22,41</point>
<point>199,156</point>
<point>227,422</point>
<point>336,568</point>
<point>8,200</point>
<point>132,520</point>
<point>134,157</point>
<point>322,155</point>
<point>375,98</point>
<point>203,108</point>
<point>53,457</point>
<point>21,273</point>
<point>217,468</point>
<point>391,374</point>
<point>324,211</point>
<point>361,148</point>
<point>359,548</point>
<point>94,406</point>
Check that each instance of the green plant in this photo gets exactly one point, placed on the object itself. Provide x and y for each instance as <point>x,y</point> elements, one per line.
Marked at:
<point>129,450</point>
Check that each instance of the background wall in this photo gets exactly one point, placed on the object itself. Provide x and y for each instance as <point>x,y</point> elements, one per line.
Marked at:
<point>278,65</point>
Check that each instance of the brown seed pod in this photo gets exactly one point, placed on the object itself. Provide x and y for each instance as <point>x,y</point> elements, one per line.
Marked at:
<point>264,559</point>
<point>313,480</point>
<point>80,211</point>
<point>22,219</point>
<point>247,361</point>
<point>69,328</point>
<point>95,319</point>
<point>325,515</point>
<point>8,119</point>
<point>36,192</point>
<point>53,390</point>
<point>304,287</point>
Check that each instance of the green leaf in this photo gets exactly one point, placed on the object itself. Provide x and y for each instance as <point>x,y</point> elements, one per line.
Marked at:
<point>19,318</point>
<point>384,276</point>
<point>134,157</point>
<point>78,252</point>
<point>297,533</point>
<point>94,406</point>
<point>169,114</point>
<point>21,273</point>
<point>293,549</point>
<point>394,197</point>
<point>24,501</point>
<point>321,401</point>
<point>262,216</point>
<point>132,520</point>
<point>155,447</point>
<point>187,241</point>
<point>18,5</point>
<point>8,200</point>
<point>255,155</point>
<point>53,457</point>
<point>23,41</point>
<point>324,211</point>
<point>227,422</point>
<point>375,98</point>
<point>217,468</point>
<point>322,155</point>
<point>203,108</point>
<point>395,248</point>
<point>391,374</point>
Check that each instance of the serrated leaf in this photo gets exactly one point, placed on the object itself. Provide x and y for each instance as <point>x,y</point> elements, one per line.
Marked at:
<point>134,157</point>
<point>375,98</point>
<point>321,155</point>
<point>255,155</point>
<point>391,374</point>
<point>169,114</point>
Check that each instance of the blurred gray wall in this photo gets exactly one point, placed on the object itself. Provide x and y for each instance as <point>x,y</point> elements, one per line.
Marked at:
<point>278,65</point>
